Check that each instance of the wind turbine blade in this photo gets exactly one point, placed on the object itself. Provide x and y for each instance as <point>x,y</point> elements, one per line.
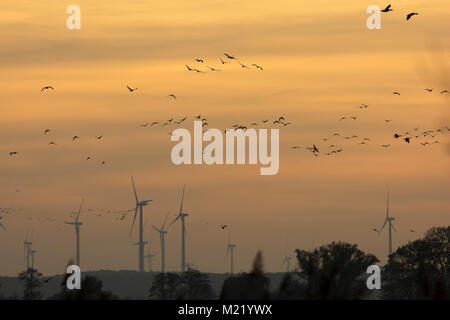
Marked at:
<point>228,249</point>
<point>178,216</point>
<point>79,210</point>
<point>393,227</point>
<point>1,225</point>
<point>134,219</point>
<point>182,198</point>
<point>134,189</point>
<point>155,228</point>
<point>165,220</point>
<point>387,205</point>
<point>379,231</point>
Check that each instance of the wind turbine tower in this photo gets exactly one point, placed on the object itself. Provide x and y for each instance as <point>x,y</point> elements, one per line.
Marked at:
<point>77,225</point>
<point>32,252</point>
<point>139,206</point>
<point>182,217</point>
<point>230,248</point>
<point>162,234</point>
<point>388,220</point>
<point>27,251</point>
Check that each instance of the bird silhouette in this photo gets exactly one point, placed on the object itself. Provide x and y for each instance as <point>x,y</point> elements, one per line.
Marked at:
<point>257,66</point>
<point>396,92</point>
<point>46,131</point>
<point>223,62</point>
<point>444,91</point>
<point>387,9</point>
<point>75,138</point>
<point>13,153</point>
<point>47,88</point>
<point>199,60</point>
<point>131,89</point>
<point>429,90</point>
<point>229,56</point>
<point>410,15</point>
<point>172,96</point>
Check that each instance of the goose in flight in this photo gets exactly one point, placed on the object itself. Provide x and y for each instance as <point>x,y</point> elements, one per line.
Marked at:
<point>154,122</point>
<point>387,120</point>
<point>243,65</point>
<point>46,131</point>
<point>131,89</point>
<point>189,69</point>
<point>47,88</point>
<point>199,60</point>
<point>172,96</point>
<point>75,138</point>
<point>213,69</point>
<point>144,125</point>
<point>396,92</point>
<point>385,145</point>
<point>407,139</point>
<point>98,137</point>
<point>223,62</point>
<point>410,15</point>
<point>13,153</point>
<point>257,67</point>
<point>229,56</point>
<point>387,9</point>
<point>429,90</point>
<point>444,91</point>
<point>52,143</point>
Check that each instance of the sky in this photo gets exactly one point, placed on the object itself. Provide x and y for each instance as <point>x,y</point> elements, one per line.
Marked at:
<point>320,63</point>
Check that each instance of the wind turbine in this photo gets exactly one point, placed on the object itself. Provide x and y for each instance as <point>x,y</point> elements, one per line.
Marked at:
<point>139,206</point>
<point>181,216</point>
<point>149,256</point>
<point>32,252</point>
<point>390,225</point>
<point>1,225</point>
<point>162,233</point>
<point>77,232</point>
<point>230,248</point>
<point>27,250</point>
<point>287,259</point>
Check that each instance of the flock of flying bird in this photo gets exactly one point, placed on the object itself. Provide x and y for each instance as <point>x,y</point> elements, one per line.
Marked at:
<point>407,137</point>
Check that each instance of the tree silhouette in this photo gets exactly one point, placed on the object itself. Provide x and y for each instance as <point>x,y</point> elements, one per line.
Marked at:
<point>196,285</point>
<point>420,269</point>
<point>166,286</point>
<point>31,284</point>
<point>190,285</point>
<point>251,286</point>
<point>334,271</point>
<point>91,289</point>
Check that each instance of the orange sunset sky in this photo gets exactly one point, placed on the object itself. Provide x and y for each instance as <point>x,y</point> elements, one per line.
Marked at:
<point>320,63</point>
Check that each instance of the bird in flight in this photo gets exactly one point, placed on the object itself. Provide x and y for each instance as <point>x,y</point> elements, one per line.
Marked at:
<point>387,9</point>
<point>409,15</point>
<point>444,91</point>
<point>75,138</point>
<point>144,125</point>
<point>387,120</point>
<point>213,69</point>
<point>52,143</point>
<point>243,65</point>
<point>131,89</point>
<point>99,137</point>
<point>396,92</point>
<point>223,62</point>
<point>172,96</point>
<point>407,139</point>
<point>257,67</point>
<point>385,145</point>
<point>363,106</point>
<point>103,162</point>
<point>223,226</point>
<point>199,60</point>
<point>46,131</point>
<point>154,122</point>
<point>13,153</point>
<point>47,88</point>
<point>229,56</point>
<point>396,136</point>
<point>343,118</point>
<point>429,90</point>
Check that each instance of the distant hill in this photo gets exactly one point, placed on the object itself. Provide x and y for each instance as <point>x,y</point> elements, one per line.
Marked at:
<point>124,283</point>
